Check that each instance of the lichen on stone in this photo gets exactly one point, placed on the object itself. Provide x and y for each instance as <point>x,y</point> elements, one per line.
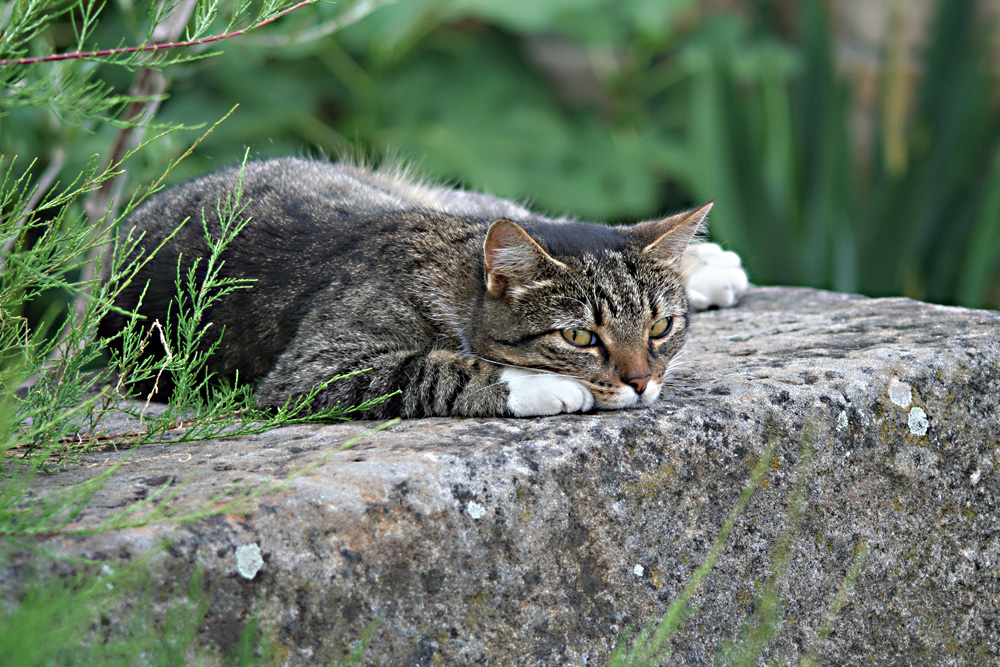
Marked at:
<point>900,393</point>
<point>248,560</point>
<point>475,510</point>
<point>842,422</point>
<point>918,422</point>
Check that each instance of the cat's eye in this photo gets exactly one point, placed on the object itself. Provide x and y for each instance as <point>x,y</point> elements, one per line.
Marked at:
<point>661,328</point>
<point>580,337</point>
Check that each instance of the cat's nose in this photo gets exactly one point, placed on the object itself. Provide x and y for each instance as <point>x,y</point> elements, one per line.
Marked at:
<point>639,384</point>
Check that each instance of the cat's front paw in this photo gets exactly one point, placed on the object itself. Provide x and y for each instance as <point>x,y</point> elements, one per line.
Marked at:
<point>714,276</point>
<point>533,394</point>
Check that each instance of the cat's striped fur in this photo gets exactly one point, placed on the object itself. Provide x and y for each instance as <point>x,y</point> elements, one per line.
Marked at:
<point>460,301</point>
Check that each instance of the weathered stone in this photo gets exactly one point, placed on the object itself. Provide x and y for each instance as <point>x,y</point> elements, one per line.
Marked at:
<point>534,542</point>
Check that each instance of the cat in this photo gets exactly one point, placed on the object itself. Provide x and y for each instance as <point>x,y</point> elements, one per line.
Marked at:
<point>464,304</point>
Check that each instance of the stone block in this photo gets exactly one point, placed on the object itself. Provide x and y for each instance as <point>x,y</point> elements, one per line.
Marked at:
<point>535,541</point>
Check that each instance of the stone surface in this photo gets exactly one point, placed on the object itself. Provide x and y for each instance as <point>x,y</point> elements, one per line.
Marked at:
<point>533,542</point>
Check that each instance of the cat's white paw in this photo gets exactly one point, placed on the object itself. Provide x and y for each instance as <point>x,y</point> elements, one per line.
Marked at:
<point>533,394</point>
<point>715,276</point>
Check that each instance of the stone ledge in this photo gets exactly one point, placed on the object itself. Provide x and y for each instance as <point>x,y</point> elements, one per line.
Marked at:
<point>533,542</point>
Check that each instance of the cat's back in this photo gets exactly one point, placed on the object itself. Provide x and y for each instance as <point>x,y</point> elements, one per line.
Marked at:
<point>315,232</point>
<point>282,189</point>
<point>300,196</point>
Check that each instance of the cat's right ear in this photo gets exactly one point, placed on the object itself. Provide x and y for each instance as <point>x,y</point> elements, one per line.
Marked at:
<point>667,239</point>
<point>510,257</point>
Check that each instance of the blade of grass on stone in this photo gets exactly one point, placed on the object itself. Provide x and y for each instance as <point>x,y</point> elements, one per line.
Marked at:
<point>761,628</point>
<point>649,652</point>
<point>846,586</point>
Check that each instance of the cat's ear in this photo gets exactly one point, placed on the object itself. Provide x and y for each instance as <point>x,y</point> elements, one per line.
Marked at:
<point>668,238</point>
<point>511,256</point>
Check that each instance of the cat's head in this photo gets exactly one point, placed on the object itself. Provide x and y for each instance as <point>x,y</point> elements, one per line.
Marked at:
<point>605,305</point>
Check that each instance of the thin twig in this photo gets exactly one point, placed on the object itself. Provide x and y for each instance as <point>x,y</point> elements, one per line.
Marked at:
<point>123,437</point>
<point>147,90</point>
<point>326,28</point>
<point>166,362</point>
<point>162,46</point>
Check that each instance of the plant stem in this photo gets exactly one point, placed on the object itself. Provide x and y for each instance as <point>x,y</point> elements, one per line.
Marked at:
<point>101,207</point>
<point>44,183</point>
<point>159,46</point>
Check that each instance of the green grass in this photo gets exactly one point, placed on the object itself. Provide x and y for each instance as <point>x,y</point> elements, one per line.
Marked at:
<point>61,267</point>
<point>651,647</point>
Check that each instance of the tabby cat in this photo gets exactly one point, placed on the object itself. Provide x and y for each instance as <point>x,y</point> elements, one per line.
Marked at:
<point>466,303</point>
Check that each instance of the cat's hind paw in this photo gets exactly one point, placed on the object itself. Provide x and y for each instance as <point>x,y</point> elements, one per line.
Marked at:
<point>533,394</point>
<point>715,277</point>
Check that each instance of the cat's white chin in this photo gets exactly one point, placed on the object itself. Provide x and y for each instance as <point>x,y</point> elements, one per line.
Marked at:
<point>535,394</point>
<point>626,397</point>
<point>651,394</point>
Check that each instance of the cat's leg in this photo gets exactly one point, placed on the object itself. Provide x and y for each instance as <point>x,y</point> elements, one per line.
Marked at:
<point>438,383</point>
<point>714,277</point>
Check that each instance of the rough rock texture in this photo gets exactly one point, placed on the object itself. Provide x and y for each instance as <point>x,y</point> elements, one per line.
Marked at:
<point>533,542</point>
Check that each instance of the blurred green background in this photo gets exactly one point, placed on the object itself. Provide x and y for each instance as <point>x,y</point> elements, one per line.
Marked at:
<point>862,159</point>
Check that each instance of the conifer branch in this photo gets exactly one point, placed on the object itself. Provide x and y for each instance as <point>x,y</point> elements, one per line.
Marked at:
<point>45,182</point>
<point>101,207</point>
<point>160,46</point>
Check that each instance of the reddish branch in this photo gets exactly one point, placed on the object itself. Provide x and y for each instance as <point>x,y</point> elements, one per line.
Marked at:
<point>78,55</point>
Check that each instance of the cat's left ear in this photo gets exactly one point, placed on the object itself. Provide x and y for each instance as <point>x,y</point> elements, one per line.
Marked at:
<point>667,239</point>
<point>512,257</point>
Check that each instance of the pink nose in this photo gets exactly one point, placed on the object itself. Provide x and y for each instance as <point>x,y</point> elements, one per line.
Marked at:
<point>639,384</point>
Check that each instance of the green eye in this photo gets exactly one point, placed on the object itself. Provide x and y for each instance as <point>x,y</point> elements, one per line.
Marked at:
<point>661,328</point>
<point>579,337</point>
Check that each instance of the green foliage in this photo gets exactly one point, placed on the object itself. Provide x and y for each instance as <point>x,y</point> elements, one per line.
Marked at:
<point>799,202</point>
<point>54,618</point>
<point>82,622</point>
<point>359,647</point>
<point>61,267</point>
<point>51,262</point>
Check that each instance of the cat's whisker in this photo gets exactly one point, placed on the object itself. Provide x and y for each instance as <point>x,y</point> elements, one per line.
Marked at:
<point>687,270</point>
<point>594,304</point>
<point>539,371</point>
<point>677,361</point>
<point>489,386</point>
